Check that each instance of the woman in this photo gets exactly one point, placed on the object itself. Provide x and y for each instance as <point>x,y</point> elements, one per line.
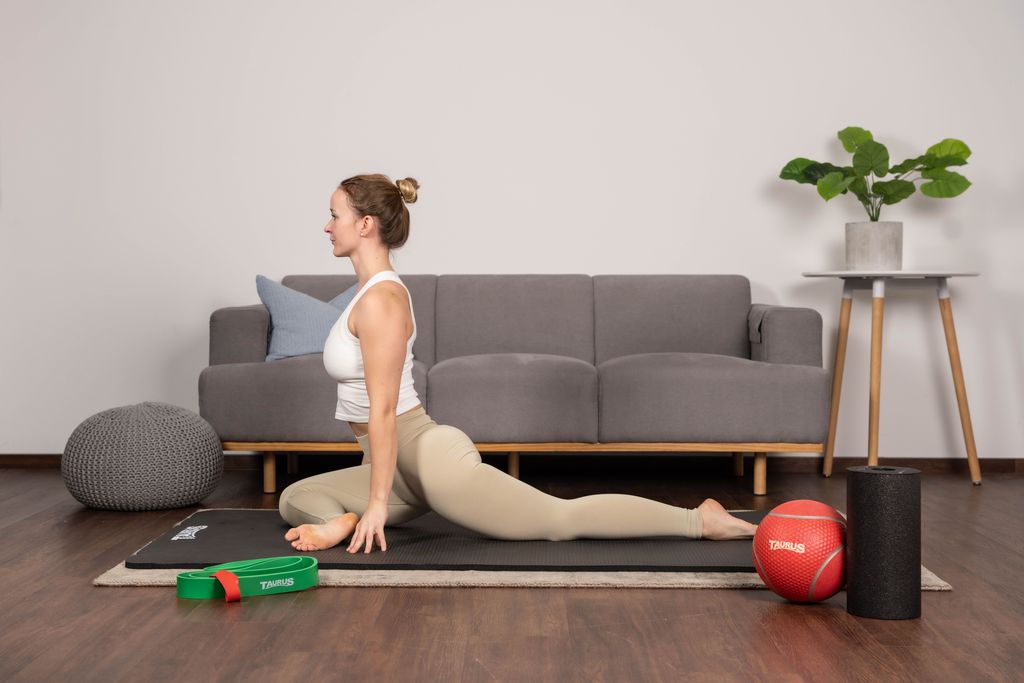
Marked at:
<point>411,464</point>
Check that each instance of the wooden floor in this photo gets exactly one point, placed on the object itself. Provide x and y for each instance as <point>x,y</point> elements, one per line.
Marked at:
<point>58,627</point>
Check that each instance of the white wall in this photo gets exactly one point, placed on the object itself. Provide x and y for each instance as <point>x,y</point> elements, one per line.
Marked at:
<point>154,157</point>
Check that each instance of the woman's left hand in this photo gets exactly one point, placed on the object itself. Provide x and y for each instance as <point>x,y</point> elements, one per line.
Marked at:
<point>370,527</point>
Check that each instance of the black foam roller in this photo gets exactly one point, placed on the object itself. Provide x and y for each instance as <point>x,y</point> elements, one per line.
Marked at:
<point>883,542</point>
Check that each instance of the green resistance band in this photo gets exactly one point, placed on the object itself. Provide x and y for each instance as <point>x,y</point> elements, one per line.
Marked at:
<point>261,576</point>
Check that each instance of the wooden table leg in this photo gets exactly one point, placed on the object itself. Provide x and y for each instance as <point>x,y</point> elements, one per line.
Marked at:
<point>877,309</point>
<point>269,473</point>
<point>946,309</point>
<point>837,375</point>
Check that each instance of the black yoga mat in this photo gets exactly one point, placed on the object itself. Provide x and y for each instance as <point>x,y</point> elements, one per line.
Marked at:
<point>215,536</point>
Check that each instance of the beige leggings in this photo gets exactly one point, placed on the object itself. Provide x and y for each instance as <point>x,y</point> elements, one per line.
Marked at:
<point>440,469</point>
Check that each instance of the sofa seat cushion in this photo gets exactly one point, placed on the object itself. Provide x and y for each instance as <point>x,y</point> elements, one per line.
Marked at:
<point>516,397</point>
<point>710,398</point>
<point>292,399</point>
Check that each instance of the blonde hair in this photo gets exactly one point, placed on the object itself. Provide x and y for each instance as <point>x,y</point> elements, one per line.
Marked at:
<point>375,194</point>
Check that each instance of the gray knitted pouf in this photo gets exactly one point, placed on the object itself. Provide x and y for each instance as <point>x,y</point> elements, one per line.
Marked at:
<point>147,456</point>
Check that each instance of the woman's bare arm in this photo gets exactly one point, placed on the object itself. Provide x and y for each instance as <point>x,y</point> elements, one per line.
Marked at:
<point>382,326</point>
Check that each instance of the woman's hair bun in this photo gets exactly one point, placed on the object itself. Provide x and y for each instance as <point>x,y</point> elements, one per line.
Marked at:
<point>408,188</point>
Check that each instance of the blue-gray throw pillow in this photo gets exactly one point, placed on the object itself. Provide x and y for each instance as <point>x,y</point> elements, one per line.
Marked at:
<point>299,323</point>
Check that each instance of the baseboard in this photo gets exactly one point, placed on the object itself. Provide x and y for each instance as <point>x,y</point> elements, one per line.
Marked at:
<point>955,465</point>
<point>777,462</point>
<point>34,460</point>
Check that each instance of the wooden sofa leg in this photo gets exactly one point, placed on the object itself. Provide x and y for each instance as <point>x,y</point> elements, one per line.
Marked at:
<point>737,464</point>
<point>760,473</point>
<point>292,463</point>
<point>513,464</point>
<point>269,473</point>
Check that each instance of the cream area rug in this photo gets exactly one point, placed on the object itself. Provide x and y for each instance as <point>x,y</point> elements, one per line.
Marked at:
<point>121,576</point>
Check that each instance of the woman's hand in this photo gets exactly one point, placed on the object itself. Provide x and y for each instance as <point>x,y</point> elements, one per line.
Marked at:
<point>370,526</point>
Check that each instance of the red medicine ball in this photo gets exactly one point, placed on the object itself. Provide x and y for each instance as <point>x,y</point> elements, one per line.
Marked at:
<point>800,551</point>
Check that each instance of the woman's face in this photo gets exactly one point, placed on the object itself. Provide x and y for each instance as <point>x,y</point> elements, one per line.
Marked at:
<point>343,226</point>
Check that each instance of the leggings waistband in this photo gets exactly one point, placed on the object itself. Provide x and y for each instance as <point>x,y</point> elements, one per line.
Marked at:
<point>412,414</point>
<point>409,425</point>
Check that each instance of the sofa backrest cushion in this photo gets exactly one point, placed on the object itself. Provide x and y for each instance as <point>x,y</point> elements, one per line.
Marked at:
<point>421,287</point>
<point>660,313</point>
<point>495,313</point>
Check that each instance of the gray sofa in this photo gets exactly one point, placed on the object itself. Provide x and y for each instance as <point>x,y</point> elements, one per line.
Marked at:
<point>553,363</point>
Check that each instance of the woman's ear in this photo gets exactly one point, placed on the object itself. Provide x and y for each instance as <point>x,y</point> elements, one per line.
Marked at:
<point>369,223</point>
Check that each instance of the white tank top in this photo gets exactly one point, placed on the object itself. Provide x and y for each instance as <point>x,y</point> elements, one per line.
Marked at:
<point>343,360</point>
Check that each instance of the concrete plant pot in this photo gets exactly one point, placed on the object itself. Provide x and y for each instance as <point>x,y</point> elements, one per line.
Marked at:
<point>874,245</point>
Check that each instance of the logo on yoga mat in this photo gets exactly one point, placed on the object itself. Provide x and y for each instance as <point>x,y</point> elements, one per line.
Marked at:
<point>188,533</point>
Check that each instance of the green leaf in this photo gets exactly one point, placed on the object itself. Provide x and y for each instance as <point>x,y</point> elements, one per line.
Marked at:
<point>794,170</point>
<point>853,137</point>
<point>910,164</point>
<point>926,161</point>
<point>950,147</point>
<point>892,191</point>
<point>817,171</point>
<point>859,187</point>
<point>833,184</point>
<point>943,183</point>
<point>942,162</point>
<point>871,156</point>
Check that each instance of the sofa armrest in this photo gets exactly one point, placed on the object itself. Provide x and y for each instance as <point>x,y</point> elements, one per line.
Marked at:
<point>785,334</point>
<point>239,334</point>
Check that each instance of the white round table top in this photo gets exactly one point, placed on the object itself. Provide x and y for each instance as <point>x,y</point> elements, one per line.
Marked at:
<point>899,274</point>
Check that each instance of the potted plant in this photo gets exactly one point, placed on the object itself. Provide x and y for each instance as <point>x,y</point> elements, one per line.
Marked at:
<point>874,244</point>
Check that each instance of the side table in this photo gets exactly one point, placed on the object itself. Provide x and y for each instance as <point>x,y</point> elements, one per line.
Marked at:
<point>877,282</point>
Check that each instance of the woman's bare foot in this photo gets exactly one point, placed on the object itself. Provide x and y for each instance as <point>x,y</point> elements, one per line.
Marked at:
<point>306,537</point>
<point>719,525</point>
